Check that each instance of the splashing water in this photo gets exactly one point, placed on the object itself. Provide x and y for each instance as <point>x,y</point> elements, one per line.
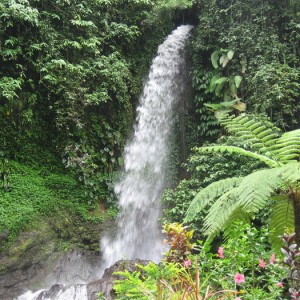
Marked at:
<point>72,292</point>
<point>146,157</point>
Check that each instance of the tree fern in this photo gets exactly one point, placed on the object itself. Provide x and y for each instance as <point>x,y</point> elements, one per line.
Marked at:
<point>287,146</point>
<point>207,195</point>
<point>237,215</point>
<point>262,135</point>
<point>240,151</point>
<point>220,212</point>
<point>290,173</point>
<point>256,188</point>
<point>234,197</point>
<point>248,197</point>
<point>281,218</point>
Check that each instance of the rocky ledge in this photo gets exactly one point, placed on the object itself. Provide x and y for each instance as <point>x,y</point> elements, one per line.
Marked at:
<point>90,291</point>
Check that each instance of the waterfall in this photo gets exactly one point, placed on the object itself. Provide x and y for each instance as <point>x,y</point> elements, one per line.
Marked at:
<point>145,162</point>
<point>146,157</point>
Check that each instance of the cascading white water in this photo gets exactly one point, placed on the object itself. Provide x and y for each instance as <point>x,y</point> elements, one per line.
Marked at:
<point>146,156</point>
<point>72,292</point>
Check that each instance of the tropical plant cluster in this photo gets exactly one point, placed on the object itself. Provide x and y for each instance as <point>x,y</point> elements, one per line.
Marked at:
<point>232,271</point>
<point>245,61</point>
<point>70,78</point>
<point>244,137</point>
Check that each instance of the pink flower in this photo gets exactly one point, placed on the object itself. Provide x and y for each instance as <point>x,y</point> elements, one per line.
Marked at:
<point>272,259</point>
<point>221,252</point>
<point>279,284</point>
<point>187,263</point>
<point>239,278</point>
<point>237,298</point>
<point>262,263</point>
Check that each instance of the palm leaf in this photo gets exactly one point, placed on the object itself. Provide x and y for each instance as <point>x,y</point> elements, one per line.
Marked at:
<point>281,219</point>
<point>248,197</point>
<point>235,198</point>
<point>237,150</point>
<point>207,195</point>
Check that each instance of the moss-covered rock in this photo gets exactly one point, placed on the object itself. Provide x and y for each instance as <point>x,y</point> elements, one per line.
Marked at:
<point>54,249</point>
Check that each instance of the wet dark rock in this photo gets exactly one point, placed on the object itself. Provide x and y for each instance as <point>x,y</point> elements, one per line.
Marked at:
<point>51,293</point>
<point>4,236</point>
<point>105,285</point>
<point>34,260</point>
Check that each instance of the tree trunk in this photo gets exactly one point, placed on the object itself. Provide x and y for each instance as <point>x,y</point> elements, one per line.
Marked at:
<point>295,196</point>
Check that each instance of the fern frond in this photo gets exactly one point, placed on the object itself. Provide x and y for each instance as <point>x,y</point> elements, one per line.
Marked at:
<point>237,215</point>
<point>281,219</point>
<point>207,195</point>
<point>243,200</point>
<point>262,135</point>
<point>290,172</point>
<point>287,146</point>
<point>269,139</point>
<point>237,150</point>
<point>255,189</point>
<point>221,212</point>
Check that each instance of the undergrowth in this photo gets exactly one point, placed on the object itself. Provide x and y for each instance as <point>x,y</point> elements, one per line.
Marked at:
<point>32,194</point>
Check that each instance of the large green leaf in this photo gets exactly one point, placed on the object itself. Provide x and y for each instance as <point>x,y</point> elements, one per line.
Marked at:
<point>212,83</point>
<point>214,59</point>
<point>290,173</point>
<point>221,80</point>
<point>220,212</point>
<point>230,54</point>
<point>237,80</point>
<point>287,146</point>
<point>262,135</point>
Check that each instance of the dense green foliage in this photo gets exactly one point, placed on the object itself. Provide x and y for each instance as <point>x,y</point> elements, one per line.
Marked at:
<point>262,39</point>
<point>245,55</point>
<point>71,73</point>
<point>242,54</point>
<point>238,197</point>
<point>244,271</point>
<point>204,169</point>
